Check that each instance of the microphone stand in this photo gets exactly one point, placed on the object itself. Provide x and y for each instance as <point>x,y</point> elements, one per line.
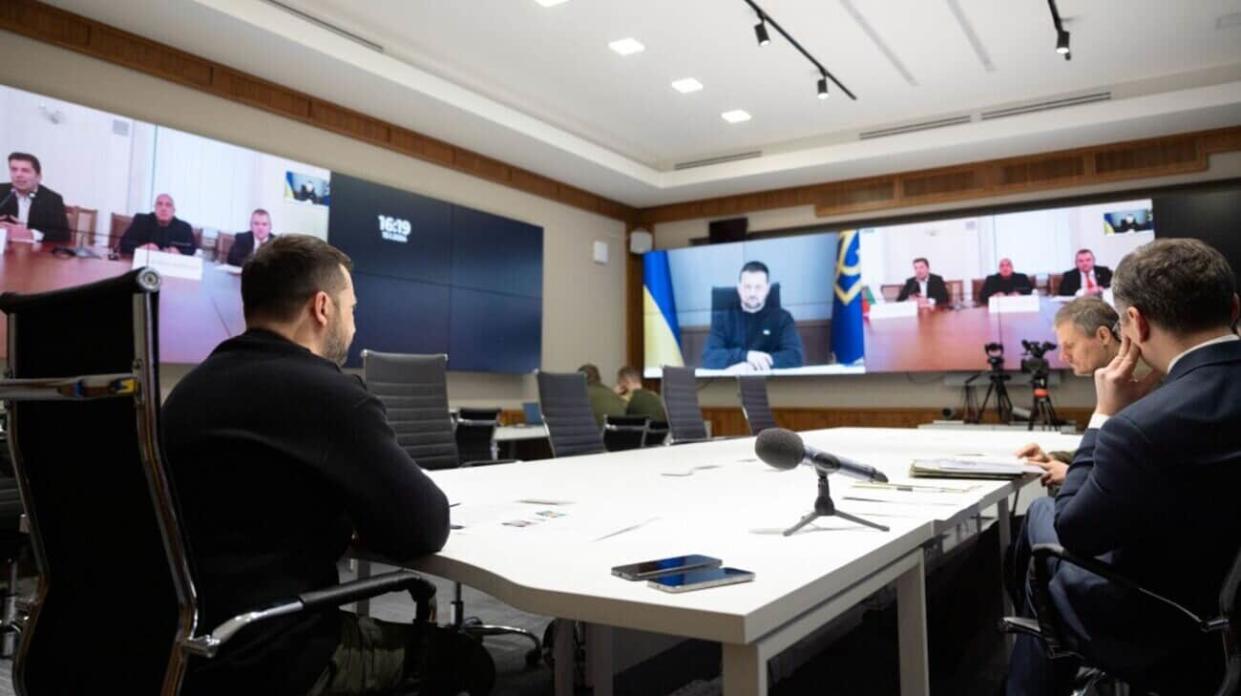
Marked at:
<point>825,507</point>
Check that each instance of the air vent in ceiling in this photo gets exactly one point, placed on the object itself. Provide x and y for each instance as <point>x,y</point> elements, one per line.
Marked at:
<point>1046,105</point>
<point>327,25</point>
<point>913,127</point>
<point>717,160</point>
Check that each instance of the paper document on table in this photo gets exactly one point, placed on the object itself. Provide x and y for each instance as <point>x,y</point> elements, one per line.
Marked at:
<point>972,467</point>
<point>902,495</point>
<point>528,517</point>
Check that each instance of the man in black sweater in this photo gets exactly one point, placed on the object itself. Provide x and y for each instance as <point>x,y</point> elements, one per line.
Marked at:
<point>279,458</point>
<point>160,230</point>
<point>1006,282</point>
<point>752,336</point>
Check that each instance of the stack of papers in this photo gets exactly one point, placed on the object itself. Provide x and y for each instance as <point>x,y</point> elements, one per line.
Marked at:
<point>972,467</point>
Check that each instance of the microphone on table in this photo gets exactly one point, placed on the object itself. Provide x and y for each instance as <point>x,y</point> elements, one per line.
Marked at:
<point>784,449</point>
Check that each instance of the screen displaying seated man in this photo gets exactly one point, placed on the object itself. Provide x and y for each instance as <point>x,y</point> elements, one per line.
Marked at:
<point>160,230</point>
<point>753,336</point>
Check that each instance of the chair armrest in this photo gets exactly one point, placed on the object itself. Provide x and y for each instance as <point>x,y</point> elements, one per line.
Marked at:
<point>610,427</point>
<point>421,590</point>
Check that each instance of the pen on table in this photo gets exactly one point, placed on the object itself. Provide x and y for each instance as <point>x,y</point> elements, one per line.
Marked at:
<point>630,528</point>
<point>453,505</point>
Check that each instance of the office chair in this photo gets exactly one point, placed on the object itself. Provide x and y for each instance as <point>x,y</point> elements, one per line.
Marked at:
<point>13,541</point>
<point>725,297</point>
<point>680,393</point>
<point>475,430</point>
<point>571,426</point>
<point>625,432</point>
<point>84,440</point>
<point>1227,624</point>
<point>752,390</point>
<point>414,392</point>
<point>656,434</point>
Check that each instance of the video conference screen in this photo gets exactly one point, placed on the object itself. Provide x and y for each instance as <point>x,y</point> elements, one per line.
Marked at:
<point>103,193</point>
<point>926,296</point>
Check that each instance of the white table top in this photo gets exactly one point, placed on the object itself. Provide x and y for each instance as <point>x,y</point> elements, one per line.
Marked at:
<point>713,498</point>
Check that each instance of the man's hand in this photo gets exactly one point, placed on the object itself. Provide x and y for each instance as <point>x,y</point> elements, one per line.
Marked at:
<point>17,231</point>
<point>1115,385</point>
<point>151,246</point>
<point>759,360</point>
<point>1054,471</point>
<point>741,368</point>
<point>1033,452</point>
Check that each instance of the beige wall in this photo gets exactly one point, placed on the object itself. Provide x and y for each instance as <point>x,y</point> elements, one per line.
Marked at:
<point>912,390</point>
<point>583,302</point>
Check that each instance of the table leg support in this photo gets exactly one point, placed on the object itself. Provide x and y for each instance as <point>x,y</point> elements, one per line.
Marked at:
<point>911,631</point>
<point>562,655</point>
<point>599,674</point>
<point>745,670</point>
<point>363,606</point>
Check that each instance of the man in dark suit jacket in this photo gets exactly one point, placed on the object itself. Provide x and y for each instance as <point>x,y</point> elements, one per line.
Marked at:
<point>1005,283</point>
<point>30,211</point>
<point>924,285</point>
<point>1087,278</point>
<point>753,336</point>
<point>1152,488</point>
<point>160,231</point>
<point>246,243</point>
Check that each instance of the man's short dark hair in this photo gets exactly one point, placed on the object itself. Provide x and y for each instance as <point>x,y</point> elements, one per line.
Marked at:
<point>755,267</point>
<point>282,275</point>
<point>27,157</point>
<point>1083,251</point>
<point>628,372</point>
<point>922,259</point>
<point>592,373</point>
<point>1087,314</point>
<point>1181,285</point>
<point>260,211</point>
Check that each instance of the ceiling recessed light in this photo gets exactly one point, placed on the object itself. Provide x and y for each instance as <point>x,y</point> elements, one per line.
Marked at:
<point>627,46</point>
<point>550,3</point>
<point>735,116</point>
<point>686,85</point>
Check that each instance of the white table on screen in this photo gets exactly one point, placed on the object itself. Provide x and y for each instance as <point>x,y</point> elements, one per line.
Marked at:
<point>513,433</point>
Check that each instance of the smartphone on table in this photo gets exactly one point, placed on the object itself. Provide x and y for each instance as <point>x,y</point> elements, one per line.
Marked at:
<point>663,566</point>
<point>700,579</point>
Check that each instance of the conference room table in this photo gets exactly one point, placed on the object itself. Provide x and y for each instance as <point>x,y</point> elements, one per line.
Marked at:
<point>194,315</point>
<point>543,536</point>
<point>941,339</point>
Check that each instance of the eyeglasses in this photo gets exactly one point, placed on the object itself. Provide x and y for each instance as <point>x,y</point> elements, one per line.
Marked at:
<point>1116,329</point>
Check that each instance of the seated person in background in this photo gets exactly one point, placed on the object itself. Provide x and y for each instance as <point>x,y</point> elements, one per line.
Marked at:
<point>753,337</point>
<point>1005,283</point>
<point>641,402</point>
<point>159,231</point>
<point>30,211</point>
<point>925,287</point>
<point>1084,329</point>
<point>1152,488</point>
<point>1087,278</point>
<point>603,401</point>
<point>279,458</point>
<point>246,243</point>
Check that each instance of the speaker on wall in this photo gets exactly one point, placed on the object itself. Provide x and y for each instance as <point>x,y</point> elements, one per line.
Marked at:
<point>730,230</point>
<point>641,241</point>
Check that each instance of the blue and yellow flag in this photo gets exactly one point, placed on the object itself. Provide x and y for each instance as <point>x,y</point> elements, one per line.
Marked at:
<point>847,340</point>
<point>661,332</point>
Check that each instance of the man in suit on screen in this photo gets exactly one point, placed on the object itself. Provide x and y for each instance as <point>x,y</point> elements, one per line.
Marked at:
<point>246,243</point>
<point>1152,488</point>
<point>753,336</point>
<point>1086,278</point>
<point>30,211</point>
<point>925,287</point>
<point>1006,282</point>
<point>160,230</point>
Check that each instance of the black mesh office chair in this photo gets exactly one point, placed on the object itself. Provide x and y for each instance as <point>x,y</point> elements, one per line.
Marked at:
<point>475,430</point>
<point>680,393</point>
<point>114,607</point>
<point>625,432</point>
<point>571,426</point>
<point>752,390</point>
<point>1197,678</point>
<point>13,541</point>
<point>414,392</point>
<point>656,434</point>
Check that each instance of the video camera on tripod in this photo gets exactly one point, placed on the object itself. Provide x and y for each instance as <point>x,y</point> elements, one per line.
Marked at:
<point>1038,368</point>
<point>1036,364</point>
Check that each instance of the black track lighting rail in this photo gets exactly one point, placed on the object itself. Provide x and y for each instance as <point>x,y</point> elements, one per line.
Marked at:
<point>823,72</point>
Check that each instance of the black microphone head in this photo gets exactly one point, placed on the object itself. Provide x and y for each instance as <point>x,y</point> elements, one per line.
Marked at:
<point>780,448</point>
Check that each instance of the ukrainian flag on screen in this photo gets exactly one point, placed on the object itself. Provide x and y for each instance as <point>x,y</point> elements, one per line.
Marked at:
<point>847,341</point>
<point>661,332</point>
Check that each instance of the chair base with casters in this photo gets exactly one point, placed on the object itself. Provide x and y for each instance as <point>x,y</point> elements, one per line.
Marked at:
<point>475,628</point>
<point>625,432</point>
<point>1049,629</point>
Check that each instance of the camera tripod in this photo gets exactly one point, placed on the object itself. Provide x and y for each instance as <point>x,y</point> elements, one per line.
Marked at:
<point>997,386</point>
<point>825,507</point>
<point>1041,411</point>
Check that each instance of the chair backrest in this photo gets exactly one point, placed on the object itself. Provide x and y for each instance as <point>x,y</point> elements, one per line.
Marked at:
<point>571,425</point>
<point>680,392</point>
<point>116,229</point>
<point>891,291</point>
<point>1230,609</point>
<point>476,434</point>
<point>976,286</point>
<point>753,392</point>
<point>114,596</point>
<point>414,392</point>
<point>956,292</point>
<point>625,432</point>
<point>724,297</point>
<point>224,244</point>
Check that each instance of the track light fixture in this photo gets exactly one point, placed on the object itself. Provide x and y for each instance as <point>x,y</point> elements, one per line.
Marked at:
<point>1062,34</point>
<point>760,31</point>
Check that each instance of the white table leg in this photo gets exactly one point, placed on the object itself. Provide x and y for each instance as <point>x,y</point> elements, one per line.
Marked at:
<point>599,673</point>
<point>562,653</point>
<point>911,631</point>
<point>745,670</point>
